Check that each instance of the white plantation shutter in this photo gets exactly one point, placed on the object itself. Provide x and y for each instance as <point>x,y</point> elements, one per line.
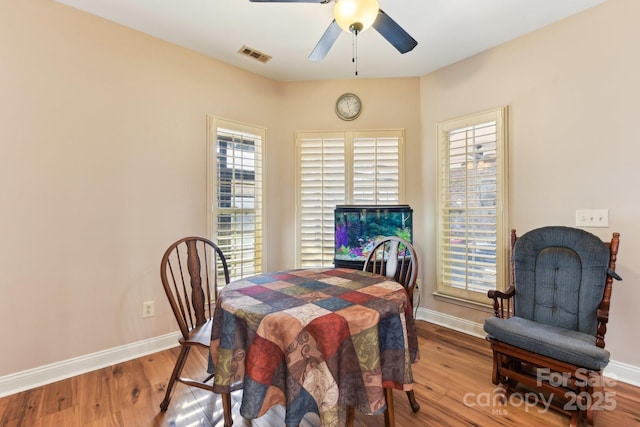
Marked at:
<point>472,201</point>
<point>235,170</point>
<point>376,170</point>
<point>321,187</point>
<point>337,168</point>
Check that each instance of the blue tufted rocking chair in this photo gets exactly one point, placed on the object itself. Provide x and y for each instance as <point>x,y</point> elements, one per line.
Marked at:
<point>549,325</point>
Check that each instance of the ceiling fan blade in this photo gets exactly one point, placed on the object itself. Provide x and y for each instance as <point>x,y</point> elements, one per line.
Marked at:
<point>326,41</point>
<point>394,33</point>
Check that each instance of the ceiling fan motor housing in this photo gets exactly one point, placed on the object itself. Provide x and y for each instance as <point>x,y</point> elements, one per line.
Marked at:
<point>355,15</point>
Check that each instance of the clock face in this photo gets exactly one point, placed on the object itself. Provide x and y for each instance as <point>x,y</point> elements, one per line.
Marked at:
<point>348,106</point>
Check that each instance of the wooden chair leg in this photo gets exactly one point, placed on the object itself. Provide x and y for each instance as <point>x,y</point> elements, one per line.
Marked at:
<point>575,419</point>
<point>177,371</point>
<point>350,416</point>
<point>415,406</point>
<point>596,391</point>
<point>494,373</point>
<point>389,415</point>
<point>226,409</point>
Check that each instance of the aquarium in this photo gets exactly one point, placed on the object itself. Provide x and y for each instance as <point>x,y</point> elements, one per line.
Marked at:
<point>357,227</point>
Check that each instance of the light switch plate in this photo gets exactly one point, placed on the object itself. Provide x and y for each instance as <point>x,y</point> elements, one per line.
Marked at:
<point>592,218</point>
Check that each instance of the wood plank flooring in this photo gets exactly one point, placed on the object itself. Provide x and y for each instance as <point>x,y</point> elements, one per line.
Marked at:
<point>453,386</point>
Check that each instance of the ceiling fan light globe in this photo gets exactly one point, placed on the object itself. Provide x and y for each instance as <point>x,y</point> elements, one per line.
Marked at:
<point>355,13</point>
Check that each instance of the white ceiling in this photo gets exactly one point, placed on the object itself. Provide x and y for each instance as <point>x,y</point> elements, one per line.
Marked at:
<point>446,30</point>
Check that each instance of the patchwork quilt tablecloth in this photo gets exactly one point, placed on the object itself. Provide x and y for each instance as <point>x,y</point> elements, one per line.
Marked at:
<point>313,340</point>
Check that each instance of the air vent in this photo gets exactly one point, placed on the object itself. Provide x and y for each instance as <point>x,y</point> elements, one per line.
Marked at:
<point>252,53</point>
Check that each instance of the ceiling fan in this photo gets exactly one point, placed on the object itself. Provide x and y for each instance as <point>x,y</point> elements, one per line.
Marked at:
<point>355,16</point>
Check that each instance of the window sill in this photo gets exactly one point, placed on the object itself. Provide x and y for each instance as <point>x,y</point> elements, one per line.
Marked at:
<point>488,308</point>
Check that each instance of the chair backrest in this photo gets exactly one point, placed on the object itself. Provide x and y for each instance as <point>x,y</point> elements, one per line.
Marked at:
<point>560,275</point>
<point>190,270</point>
<point>395,258</point>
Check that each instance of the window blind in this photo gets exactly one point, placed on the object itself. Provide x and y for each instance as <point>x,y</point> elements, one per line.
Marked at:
<point>322,186</point>
<point>471,199</point>
<point>336,168</point>
<point>237,225</point>
<point>376,170</point>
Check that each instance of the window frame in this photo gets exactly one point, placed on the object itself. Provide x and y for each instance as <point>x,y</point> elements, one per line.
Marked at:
<point>213,126</point>
<point>348,138</point>
<point>444,232</point>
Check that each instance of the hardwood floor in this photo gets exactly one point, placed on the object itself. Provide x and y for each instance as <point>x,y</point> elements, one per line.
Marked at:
<point>453,386</point>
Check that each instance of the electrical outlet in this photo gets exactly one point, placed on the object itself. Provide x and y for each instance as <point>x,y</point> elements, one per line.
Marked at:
<point>592,218</point>
<point>148,309</point>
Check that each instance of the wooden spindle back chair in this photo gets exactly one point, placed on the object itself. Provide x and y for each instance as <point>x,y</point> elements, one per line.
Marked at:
<point>394,257</point>
<point>191,270</point>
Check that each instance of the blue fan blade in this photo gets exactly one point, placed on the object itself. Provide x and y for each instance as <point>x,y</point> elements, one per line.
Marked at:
<point>394,33</point>
<point>326,41</point>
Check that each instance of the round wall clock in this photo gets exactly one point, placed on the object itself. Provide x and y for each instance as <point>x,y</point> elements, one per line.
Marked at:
<point>348,106</point>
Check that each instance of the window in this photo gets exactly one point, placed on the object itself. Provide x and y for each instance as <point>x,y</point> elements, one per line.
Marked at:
<point>337,168</point>
<point>472,181</point>
<point>235,194</point>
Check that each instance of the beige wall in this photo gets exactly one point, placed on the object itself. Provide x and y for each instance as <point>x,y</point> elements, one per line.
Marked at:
<point>387,104</point>
<point>103,144</point>
<point>573,91</point>
<point>102,166</point>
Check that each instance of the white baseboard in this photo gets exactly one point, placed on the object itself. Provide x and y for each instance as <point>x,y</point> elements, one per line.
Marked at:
<point>618,371</point>
<point>451,322</point>
<point>25,380</point>
<point>624,372</point>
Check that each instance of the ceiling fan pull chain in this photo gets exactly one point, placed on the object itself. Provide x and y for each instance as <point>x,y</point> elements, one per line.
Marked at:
<point>354,48</point>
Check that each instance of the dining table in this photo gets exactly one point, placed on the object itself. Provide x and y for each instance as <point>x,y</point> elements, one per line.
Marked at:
<point>318,340</point>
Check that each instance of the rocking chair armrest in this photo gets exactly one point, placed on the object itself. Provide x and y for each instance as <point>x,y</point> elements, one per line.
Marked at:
<point>495,294</point>
<point>503,301</point>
